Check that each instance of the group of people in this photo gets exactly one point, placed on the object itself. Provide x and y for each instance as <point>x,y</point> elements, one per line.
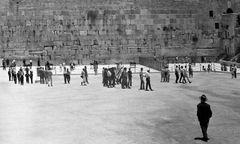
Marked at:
<point>182,76</point>
<point>124,76</point>
<point>109,78</point>
<point>45,76</point>
<point>6,63</point>
<point>113,76</point>
<point>18,77</point>
<point>165,75</point>
<point>142,82</point>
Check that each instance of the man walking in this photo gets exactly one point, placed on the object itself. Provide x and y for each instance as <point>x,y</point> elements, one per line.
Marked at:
<point>204,113</point>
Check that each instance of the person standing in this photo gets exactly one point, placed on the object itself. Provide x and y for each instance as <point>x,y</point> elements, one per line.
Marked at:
<point>47,66</point>
<point>124,76</point>
<point>204,113</point>
<point>186,75</point>
<point>83,76</point>
<point>4,64</point>
<point>190,70</point>
<point>27,75</point>
<point>234,71</point>
<point>148,82</point>
<point>95,67</point>
<point>68,76</point>
<point>103,77</point>
<point>41,74</point>
<point>21,76</point>
<point>129,78</point>
<point>31,76</point>
<point>209,68</point>
<point>141,80</point>
<point>182,78</point>
<point>86,74</point>
<point>49,77</point>
<point>109,75</point>
<point>65,74</point>
<point>177,74</point>
<point>9,74</point>
<point>14,75</point>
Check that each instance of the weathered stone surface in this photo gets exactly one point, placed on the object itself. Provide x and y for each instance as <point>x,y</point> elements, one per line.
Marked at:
<point>95,29</point>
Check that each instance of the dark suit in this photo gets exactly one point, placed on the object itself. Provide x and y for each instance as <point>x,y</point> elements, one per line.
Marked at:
<point>177,74</point>
<point>204,113</point>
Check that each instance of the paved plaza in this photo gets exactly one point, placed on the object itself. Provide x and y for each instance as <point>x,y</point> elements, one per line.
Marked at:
<point>93,114</point>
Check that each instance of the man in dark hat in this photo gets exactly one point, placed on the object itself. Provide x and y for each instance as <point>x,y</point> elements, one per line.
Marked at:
<point>204,113</point>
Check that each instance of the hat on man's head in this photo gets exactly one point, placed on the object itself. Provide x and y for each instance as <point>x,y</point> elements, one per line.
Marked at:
<point>203,98</point>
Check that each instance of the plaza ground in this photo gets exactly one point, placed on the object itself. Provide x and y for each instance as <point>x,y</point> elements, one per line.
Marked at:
<point>74,114</point>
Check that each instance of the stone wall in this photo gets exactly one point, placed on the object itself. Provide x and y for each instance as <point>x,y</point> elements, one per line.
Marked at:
<point>110,29</point>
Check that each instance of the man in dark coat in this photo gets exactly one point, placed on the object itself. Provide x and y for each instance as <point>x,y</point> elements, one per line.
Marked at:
<point>31,76</point>
<point>177,74</point>
<point>4,64</point>
<point>10,74</point>
<point>204,113</point>
<point>14,75</point>
<point>129,78</point>
<point>124,78</point>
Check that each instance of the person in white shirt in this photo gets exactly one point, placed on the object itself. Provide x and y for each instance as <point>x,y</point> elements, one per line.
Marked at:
<point>148,82</point>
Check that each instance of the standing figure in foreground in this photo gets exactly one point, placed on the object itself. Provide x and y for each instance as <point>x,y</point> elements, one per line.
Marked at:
<point>204,113</point>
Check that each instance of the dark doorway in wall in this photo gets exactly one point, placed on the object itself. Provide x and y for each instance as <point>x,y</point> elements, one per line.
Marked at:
<point>238,21</point>
<point>229,10</point>
<point>210,13</point>
<point>216,25</point>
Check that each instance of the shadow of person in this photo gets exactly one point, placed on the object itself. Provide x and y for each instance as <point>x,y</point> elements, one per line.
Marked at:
<point>201,138</point>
